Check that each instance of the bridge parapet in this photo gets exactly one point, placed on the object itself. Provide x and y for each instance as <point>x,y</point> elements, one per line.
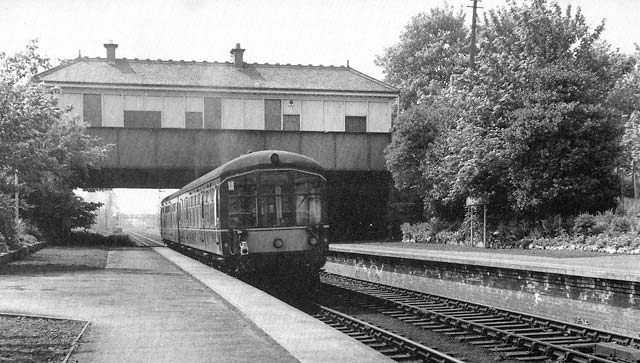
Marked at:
<point>203,150</point>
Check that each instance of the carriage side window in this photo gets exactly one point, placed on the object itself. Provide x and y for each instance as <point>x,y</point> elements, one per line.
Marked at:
<point>275,199</point>
<point>213,206</point>
<point>308,190</point>
<point>205,208</point>
<point>201,206</point>
<point>242,201</point>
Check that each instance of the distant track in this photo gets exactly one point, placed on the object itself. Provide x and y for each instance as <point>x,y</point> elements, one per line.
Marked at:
<point>145,239</point>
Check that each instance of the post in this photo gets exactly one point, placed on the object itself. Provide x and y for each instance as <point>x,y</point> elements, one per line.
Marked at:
<point>621,191</point>
<point>484,227</point>
<point>635,187</point>
<point>472,52</point>
<point>17,200</point>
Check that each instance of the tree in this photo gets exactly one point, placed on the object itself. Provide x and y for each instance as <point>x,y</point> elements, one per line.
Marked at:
<point>433,47</point>
<point>625,96</point>
<point>41,143</point>
<point>528,129</point>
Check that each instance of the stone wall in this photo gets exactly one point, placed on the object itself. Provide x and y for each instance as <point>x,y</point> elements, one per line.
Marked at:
<point>604,304</point>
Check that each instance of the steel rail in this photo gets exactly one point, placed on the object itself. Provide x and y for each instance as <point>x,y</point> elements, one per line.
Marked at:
<point>402,344</point>
<point>533,320</point>
<point>447,315</point>
<point>141,238</point>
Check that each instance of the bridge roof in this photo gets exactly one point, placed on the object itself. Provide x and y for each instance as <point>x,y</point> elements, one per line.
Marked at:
<point>149,73</point>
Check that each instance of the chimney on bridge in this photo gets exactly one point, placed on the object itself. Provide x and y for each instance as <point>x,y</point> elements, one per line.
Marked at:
<point>111,52</point>
<point>237,56</point>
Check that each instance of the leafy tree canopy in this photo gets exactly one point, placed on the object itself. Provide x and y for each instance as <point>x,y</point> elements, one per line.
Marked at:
<point>433,46</point>
<point>528,128</point>
<point>625,96</point>
<point>41,143</point>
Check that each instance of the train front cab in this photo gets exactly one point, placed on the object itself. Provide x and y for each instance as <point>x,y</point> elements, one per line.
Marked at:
<point>275,221</point>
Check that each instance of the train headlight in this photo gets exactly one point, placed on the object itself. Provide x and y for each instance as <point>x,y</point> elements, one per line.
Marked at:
<point>275,158</point>
<point>313,241</point>
<point>278,243</point>
<point>244,248</point>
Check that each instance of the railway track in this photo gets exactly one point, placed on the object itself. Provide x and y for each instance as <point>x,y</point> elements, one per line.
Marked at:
<point>513,335</point>
<point>145,239</point>
<point>392,345</point>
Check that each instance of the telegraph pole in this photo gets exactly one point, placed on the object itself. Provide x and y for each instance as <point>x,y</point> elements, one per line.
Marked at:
<point>472,52</point>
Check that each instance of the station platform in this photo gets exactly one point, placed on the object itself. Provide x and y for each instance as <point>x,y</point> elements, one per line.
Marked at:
<point>612,267</point>
<point>156,305</point>
<point>595,290</point>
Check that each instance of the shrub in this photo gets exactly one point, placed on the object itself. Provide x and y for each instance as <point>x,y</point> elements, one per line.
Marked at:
<point>621,224</point>
<point>424,232</point>
<point>449,237</point>
<point>584,224</point>
<point>90,239</point>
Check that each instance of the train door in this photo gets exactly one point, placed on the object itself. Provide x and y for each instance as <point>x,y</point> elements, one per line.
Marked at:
<point>178,220</point>
<point>217,236</point>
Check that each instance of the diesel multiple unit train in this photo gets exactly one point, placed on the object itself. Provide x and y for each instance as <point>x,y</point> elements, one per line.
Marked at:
<point>261,214</point>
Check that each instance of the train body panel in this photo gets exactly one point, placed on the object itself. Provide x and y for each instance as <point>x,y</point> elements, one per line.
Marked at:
<point>262,212</point>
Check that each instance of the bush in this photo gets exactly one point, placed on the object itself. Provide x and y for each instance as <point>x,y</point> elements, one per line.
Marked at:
<point>90,239</point>
<point>621,224</point>
<point>449,237</point>
<point>584,224</point>
<point>623,243</point>
<point>426,232</point>
<point>416,233</point>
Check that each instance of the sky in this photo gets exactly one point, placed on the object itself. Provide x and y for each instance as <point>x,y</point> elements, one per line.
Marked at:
<point>130,201</point>
<point>327,32</point>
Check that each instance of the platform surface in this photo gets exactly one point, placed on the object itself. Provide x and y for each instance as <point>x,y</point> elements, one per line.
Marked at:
<point>155,305</point>
<point>614,267</point>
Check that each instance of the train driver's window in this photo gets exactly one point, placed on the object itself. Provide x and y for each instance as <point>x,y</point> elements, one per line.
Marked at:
<point>308,198</point>
<point>242,199</point>
<point>276,192</point>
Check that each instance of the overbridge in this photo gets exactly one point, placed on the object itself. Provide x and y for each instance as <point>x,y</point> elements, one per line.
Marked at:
<point>170,158</point>
<point>172,121</point>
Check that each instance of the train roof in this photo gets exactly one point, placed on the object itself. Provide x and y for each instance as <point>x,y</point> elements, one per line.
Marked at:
<point>253,161</point>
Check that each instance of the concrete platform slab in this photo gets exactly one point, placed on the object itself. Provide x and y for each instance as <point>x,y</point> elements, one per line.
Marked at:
<point>306,338</point>
<point>142,308</point>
